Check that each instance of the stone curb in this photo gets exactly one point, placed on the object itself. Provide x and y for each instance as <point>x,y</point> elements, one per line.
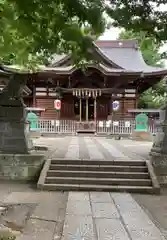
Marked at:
<point>44,171</point>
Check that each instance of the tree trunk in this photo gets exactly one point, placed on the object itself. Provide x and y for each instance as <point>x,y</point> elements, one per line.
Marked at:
<point>13,136</point>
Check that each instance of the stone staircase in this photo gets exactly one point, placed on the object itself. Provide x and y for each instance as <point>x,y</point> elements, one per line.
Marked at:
<point>98,175</point>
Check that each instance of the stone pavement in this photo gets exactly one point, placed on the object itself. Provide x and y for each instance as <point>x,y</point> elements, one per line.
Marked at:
<point>85,215</point>
<point>87,147</point>
<point>98,216</point>
<point>82,215</point>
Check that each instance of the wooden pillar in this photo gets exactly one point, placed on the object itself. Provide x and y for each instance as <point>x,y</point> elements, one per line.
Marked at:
<point>111,100</point>
<point>34,96</point>
<point>87,110</point>
<point>136,97</point>
<point>123,105</point>
<point>80,109</point>
<point>95,109</point>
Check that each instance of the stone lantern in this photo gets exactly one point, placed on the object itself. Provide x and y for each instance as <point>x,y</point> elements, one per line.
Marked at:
<point>158,153</point>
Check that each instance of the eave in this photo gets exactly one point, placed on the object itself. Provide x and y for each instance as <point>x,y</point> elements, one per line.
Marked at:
<point>100,67</point>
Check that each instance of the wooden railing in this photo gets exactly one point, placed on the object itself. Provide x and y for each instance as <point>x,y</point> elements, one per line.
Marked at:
<point>100,127</point>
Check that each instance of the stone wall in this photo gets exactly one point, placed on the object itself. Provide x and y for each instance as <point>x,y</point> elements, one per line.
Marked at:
<point>21,167</point>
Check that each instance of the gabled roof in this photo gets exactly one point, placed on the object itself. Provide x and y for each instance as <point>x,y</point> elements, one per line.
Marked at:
<point>119,54</point>
<point>125,53</point>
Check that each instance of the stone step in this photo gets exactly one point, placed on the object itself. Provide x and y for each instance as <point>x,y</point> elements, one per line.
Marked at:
<point>110,188</point>
<point>98,162</point>
<point>98,181</point>
<point>101,168</point>
<point>98,174</point>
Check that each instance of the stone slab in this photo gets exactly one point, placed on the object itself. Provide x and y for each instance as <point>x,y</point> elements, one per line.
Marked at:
<point>78,196</point>
<point>38,230</point>
<point>15,216</point>
<point>22,197</point>
<point>93,150</point>
<point>78,227</point>
<point>83,150</point>
<point>104,210</point>
<point>73,149</point>
<point>111,149</point>
<point>110,229</point>
<point>78,208</point>
<point>60,224</point>
<point>100,197</point>
<point>106,154</point>
<point>49,207</point>
<point>155,207</point>
<point>137,222</point>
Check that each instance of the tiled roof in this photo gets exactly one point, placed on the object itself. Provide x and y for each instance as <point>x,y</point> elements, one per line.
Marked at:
<point>129,59</point>
<point>124,54</point>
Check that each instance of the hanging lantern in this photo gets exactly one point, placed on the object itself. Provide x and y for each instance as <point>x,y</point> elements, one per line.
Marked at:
<point>57,104</point>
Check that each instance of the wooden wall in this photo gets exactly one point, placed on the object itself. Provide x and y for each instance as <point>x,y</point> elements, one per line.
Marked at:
<point>67,108</point>
<point>50,113</point>
<point>104,108</point>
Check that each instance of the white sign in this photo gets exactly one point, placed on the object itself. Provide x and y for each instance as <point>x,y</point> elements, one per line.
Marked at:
<point>115,105</point>
<point>57,104</point>
<point>57,123</point>
<point>52,122</point>
<point>115,123</point>
<point>108,123</point>
<point>100,123</point>
<point>127,124</point>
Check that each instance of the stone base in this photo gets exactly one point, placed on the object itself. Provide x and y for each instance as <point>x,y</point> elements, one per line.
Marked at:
<point>34,134</point>
<point>21,167</point>
<point>141,136</point>
<point>159,163</point>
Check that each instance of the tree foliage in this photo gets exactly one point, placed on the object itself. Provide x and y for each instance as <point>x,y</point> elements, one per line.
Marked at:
<point>34,29</point>
<point>155,96</point>
<point>38,28</point>
<point>140,15</point>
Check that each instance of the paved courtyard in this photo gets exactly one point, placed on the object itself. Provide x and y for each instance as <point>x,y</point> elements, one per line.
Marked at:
<point>95,148</point>
<point>85,215</point>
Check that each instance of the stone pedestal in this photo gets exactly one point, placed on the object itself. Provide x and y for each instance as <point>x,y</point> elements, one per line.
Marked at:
<point>13,134</point>
<point>141,136</point>
<point>158,153</point>
<point>21,167</point>
<point>159,163</point>
<point>34,134</point>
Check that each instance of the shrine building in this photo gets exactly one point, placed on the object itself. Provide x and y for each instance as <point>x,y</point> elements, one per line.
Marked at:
<point>120,76</point>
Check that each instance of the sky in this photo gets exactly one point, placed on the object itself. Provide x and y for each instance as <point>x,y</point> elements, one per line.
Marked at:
<point>113,33</point>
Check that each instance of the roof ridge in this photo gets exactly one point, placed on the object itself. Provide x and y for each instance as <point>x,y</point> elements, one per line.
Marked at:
<point>119,43</point>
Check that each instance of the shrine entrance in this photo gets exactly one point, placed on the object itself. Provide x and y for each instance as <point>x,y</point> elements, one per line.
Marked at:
<point>84,109</point>
<point>85,104</point>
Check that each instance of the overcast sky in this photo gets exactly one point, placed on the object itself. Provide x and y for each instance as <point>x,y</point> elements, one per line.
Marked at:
<point>113,33</point>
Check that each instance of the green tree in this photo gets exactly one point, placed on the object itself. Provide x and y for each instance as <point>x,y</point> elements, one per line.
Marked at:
<point>155,96</point>
<point>147,16</point>
<point>33,30</point>
<point>53,26</point>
